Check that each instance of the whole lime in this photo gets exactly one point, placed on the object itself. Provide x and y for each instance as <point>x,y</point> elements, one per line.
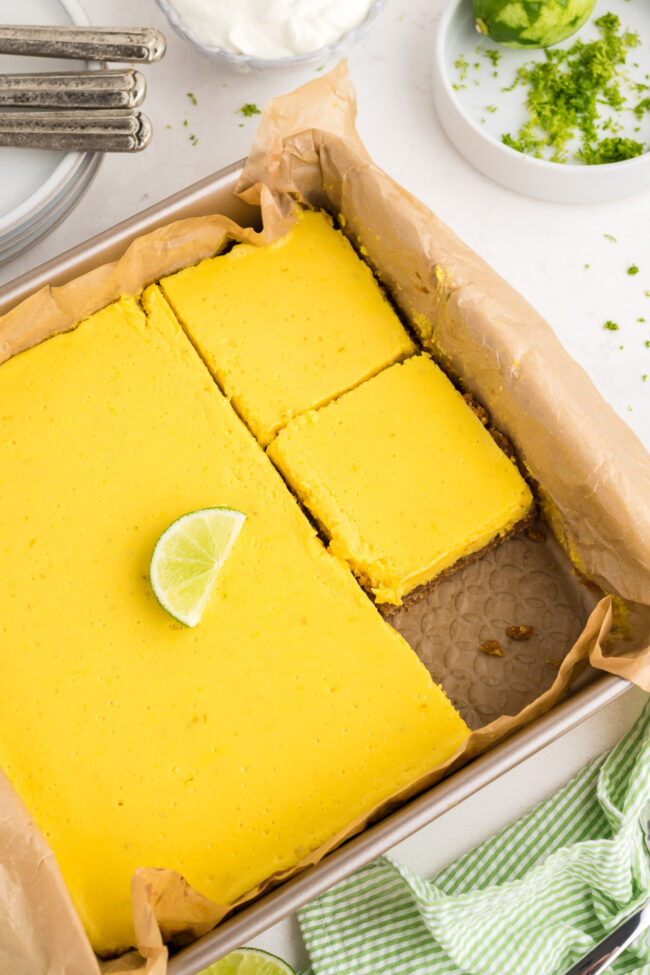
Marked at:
<point>531,23</point>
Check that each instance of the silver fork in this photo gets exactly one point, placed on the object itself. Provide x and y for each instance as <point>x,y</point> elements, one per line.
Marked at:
<point>99,130</point>
<point>115,88</point>
<point>601,957</point>
<point>85,43</point>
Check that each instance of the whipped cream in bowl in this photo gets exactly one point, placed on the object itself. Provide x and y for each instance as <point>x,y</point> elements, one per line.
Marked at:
<point>257,34</point>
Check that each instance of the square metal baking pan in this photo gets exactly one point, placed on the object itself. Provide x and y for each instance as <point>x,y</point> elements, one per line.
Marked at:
<point>593,691</point>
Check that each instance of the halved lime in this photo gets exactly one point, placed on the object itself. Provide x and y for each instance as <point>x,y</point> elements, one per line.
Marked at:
<point>249,961</point>
<point>187,558</point>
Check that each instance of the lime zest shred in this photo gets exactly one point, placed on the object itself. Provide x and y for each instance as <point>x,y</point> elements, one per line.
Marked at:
<point>611,150</point>
<point>462,66</point>
<point>564,95</point>
<point>248,109</point>
<point>491,53</point>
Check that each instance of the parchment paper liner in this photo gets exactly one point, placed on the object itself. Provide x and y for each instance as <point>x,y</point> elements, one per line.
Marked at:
<point>593,472</point>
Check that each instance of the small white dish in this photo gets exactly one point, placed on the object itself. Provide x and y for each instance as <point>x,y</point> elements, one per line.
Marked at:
<point>246,62</point>
<point>39,187</point>
<point>475,116</point>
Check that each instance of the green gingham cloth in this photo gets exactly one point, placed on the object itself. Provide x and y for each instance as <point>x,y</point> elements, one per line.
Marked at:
<point>530,901</point>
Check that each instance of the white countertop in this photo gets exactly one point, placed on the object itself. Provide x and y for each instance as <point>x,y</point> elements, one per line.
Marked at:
<point>541,248</point>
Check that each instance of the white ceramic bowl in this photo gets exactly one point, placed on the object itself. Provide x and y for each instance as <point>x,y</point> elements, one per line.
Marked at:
<point>246,62</point>
<point>38,188</point>
<point>476,131</point>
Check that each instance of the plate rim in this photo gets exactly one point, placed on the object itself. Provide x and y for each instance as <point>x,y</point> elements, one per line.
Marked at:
<point>64,172</point>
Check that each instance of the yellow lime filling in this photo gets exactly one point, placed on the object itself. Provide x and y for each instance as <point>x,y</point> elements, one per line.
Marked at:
<point>403,477</point>
<point>288,326</point>
<point>227,751</point>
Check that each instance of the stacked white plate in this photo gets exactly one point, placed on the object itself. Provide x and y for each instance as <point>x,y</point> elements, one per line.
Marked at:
<point>39,187</point>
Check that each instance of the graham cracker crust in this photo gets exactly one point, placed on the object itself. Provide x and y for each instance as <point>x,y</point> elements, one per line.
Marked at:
<point>421,592</point>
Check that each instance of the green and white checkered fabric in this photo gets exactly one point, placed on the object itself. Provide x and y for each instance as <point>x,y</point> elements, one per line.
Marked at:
<point>530,901</point>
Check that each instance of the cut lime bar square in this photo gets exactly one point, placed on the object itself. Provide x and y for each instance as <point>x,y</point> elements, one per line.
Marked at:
<point>403,477</point>
<point>287,326</point>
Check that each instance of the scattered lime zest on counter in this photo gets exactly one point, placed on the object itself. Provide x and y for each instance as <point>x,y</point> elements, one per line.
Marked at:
<point>168,126</point>
<point>587,265</point>
<point>563,95</point>
<point>640,319</point>
<point>320,67</point>
<point>633,269</point>
<point>248,109</point>
<point>193,139</point>
<point>611,326</point>
<point>647,343</point>
<point>610,237</point>
<point>192,98</point>
<point>647,293</point>
<point>185,122</point>
<point>644,377</point>
<point>492,108</point>
<point>621,346</point>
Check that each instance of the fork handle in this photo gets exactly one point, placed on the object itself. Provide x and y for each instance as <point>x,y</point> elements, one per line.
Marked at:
<point>601,957</point>
<point>115,88</point>
<point>84,43</point>
<point>99,130</point>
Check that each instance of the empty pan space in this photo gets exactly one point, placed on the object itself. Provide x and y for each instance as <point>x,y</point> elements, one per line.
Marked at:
<point>529,582</point>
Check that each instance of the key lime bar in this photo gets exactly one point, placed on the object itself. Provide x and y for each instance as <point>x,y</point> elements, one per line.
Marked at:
<point>403,477</point>
<point>288,326</point>
<point>227,751</point>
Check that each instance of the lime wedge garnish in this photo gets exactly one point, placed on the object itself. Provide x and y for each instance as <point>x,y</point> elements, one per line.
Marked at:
<point>187,558</point>
<point>249,961</point>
